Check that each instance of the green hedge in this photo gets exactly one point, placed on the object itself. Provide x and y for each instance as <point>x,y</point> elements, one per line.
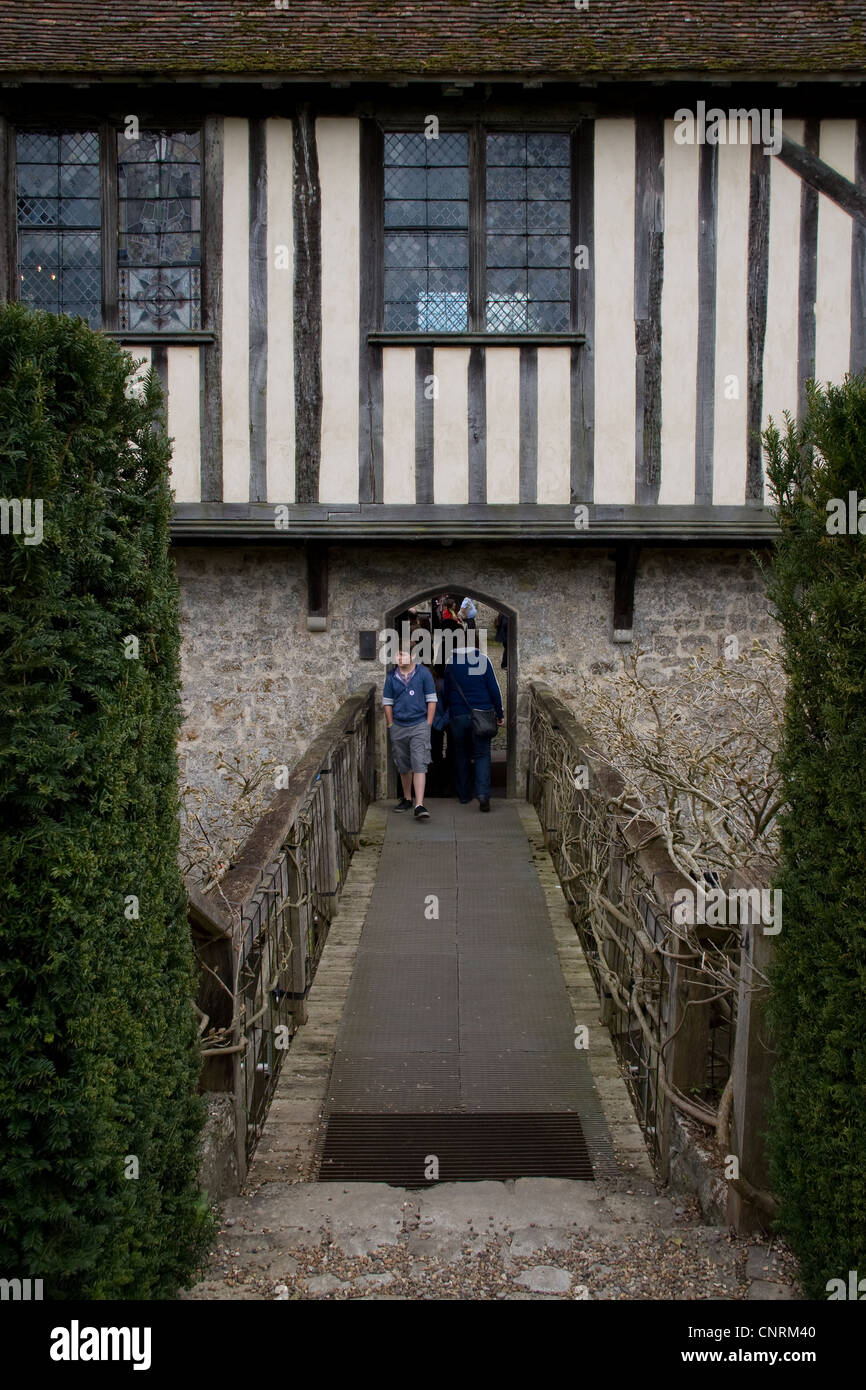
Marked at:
<point>818,1004</point>
<point>98,1051</point>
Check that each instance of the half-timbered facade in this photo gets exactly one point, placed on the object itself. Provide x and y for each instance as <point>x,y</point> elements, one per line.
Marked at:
<point>484,295</point>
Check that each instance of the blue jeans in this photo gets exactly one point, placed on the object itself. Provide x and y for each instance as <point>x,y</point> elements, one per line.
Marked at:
<point>467,745</point>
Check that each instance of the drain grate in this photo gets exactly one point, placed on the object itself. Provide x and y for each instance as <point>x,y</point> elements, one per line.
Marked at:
<point>398,1149</point>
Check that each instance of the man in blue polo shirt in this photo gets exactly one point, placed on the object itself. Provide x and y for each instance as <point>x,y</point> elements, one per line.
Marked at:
<point>409,700</point>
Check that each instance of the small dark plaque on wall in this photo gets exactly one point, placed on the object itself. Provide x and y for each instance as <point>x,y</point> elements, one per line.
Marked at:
<point>367,646</point>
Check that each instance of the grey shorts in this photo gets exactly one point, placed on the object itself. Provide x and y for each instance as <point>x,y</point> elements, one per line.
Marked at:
<point>410,746</point>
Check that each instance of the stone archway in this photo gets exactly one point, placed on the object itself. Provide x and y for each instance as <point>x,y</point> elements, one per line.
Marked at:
<point>448,585</point>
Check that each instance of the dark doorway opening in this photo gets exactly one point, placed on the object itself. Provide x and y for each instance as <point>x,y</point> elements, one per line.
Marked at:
<point>498,622</point>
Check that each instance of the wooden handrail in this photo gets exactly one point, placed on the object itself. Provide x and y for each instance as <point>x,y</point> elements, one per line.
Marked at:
<point>639,831</point>
<point>272,830</point>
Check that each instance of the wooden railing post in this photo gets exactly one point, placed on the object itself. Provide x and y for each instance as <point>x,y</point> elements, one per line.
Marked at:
<point>686,1057</point>
<point>533,725</point>
<point>354,811</point>
<point>688,1028</point>
<point>752,1066</point>
<point>239,1077</point>
<point>298,909</point>
<point>609,953</point>
<point>332,834</point>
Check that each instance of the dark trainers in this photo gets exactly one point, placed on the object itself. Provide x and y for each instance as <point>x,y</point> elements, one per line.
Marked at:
<point>421,813</point>
<point>403,805</point>
<point>484,805</point>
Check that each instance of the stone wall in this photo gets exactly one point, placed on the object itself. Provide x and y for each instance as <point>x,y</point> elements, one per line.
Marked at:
<point>256,679</point>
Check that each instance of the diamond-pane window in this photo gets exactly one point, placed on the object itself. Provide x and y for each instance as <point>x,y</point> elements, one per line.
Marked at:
<point>523,234</point>
<point>426,240</point>
<point>528,225</point>
<point>59,220</point>
<point>442,311</point>
<point>159,231</point>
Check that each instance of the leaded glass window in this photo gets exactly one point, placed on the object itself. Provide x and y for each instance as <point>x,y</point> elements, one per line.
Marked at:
<point>528,287</point>
<point>522,237</point>
<point>427,233</point>
<point>159,231</point>
<point>59,220</point>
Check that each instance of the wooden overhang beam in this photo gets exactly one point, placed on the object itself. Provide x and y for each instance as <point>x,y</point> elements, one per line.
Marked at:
<point>608,524</point>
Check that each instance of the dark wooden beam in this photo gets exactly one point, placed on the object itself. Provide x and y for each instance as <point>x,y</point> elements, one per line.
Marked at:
<point>308,308</point>
<point>8,214</point>
<point>182,338</point>
<point>159,365</point>
<point>370,469</point>
<point>808,277</point>
<point>528,442</point>
<point>424,406</point>
<point>759,256</point>
<point>627,556</point>
<point>317,584</point>
<point>705,415</point>
<point>648,276</point>
<point>477,388</point>
<point>109,225</point>
<point>583,314</point>
<point>477,229</point>
<point>210,366</point>
<point>388,339</point>
<point>258,311</point>
<point>823,178</point>
<point>858,261</point>
<point>374,522</point>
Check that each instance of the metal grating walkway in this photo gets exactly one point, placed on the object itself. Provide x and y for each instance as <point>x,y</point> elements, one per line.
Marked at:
<point>457,1030</point>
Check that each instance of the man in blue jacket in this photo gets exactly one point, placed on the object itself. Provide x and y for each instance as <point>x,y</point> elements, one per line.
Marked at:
<point>470,684</point>
<point>409,700</point>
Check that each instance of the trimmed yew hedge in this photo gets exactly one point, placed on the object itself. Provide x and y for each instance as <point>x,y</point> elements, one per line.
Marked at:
<point>98,1050</point>
<point>818,999</point>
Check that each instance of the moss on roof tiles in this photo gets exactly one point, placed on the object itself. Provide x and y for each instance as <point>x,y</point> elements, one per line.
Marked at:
<point>467,38</point>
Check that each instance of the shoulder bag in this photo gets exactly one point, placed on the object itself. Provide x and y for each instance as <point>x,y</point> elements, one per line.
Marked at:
<point>484,721</point>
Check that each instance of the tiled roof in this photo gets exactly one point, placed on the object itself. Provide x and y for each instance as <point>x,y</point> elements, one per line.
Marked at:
<point>397,38</point>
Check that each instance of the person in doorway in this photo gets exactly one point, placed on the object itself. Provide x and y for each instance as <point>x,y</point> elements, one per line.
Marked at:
<point>442,760</point>
<point>471,685</point>
<point>468,613</point>
<point>502,636</point>
<point>409,700</point>
<point>447,614</point>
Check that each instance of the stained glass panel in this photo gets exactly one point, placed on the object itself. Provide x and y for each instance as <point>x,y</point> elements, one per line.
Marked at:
<point>159,299</point>
<point>59,218</point>
<point>159,231</point>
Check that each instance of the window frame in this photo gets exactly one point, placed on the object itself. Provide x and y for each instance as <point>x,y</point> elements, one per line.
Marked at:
<point>12,165</point>
<point>477,131</point>
<point>108,132</point>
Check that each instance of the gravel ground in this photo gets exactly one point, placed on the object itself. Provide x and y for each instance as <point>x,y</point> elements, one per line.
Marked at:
<point>684,1261</point>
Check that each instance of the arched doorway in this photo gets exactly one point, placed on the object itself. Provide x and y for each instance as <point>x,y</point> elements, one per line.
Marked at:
<point>452,585</point>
